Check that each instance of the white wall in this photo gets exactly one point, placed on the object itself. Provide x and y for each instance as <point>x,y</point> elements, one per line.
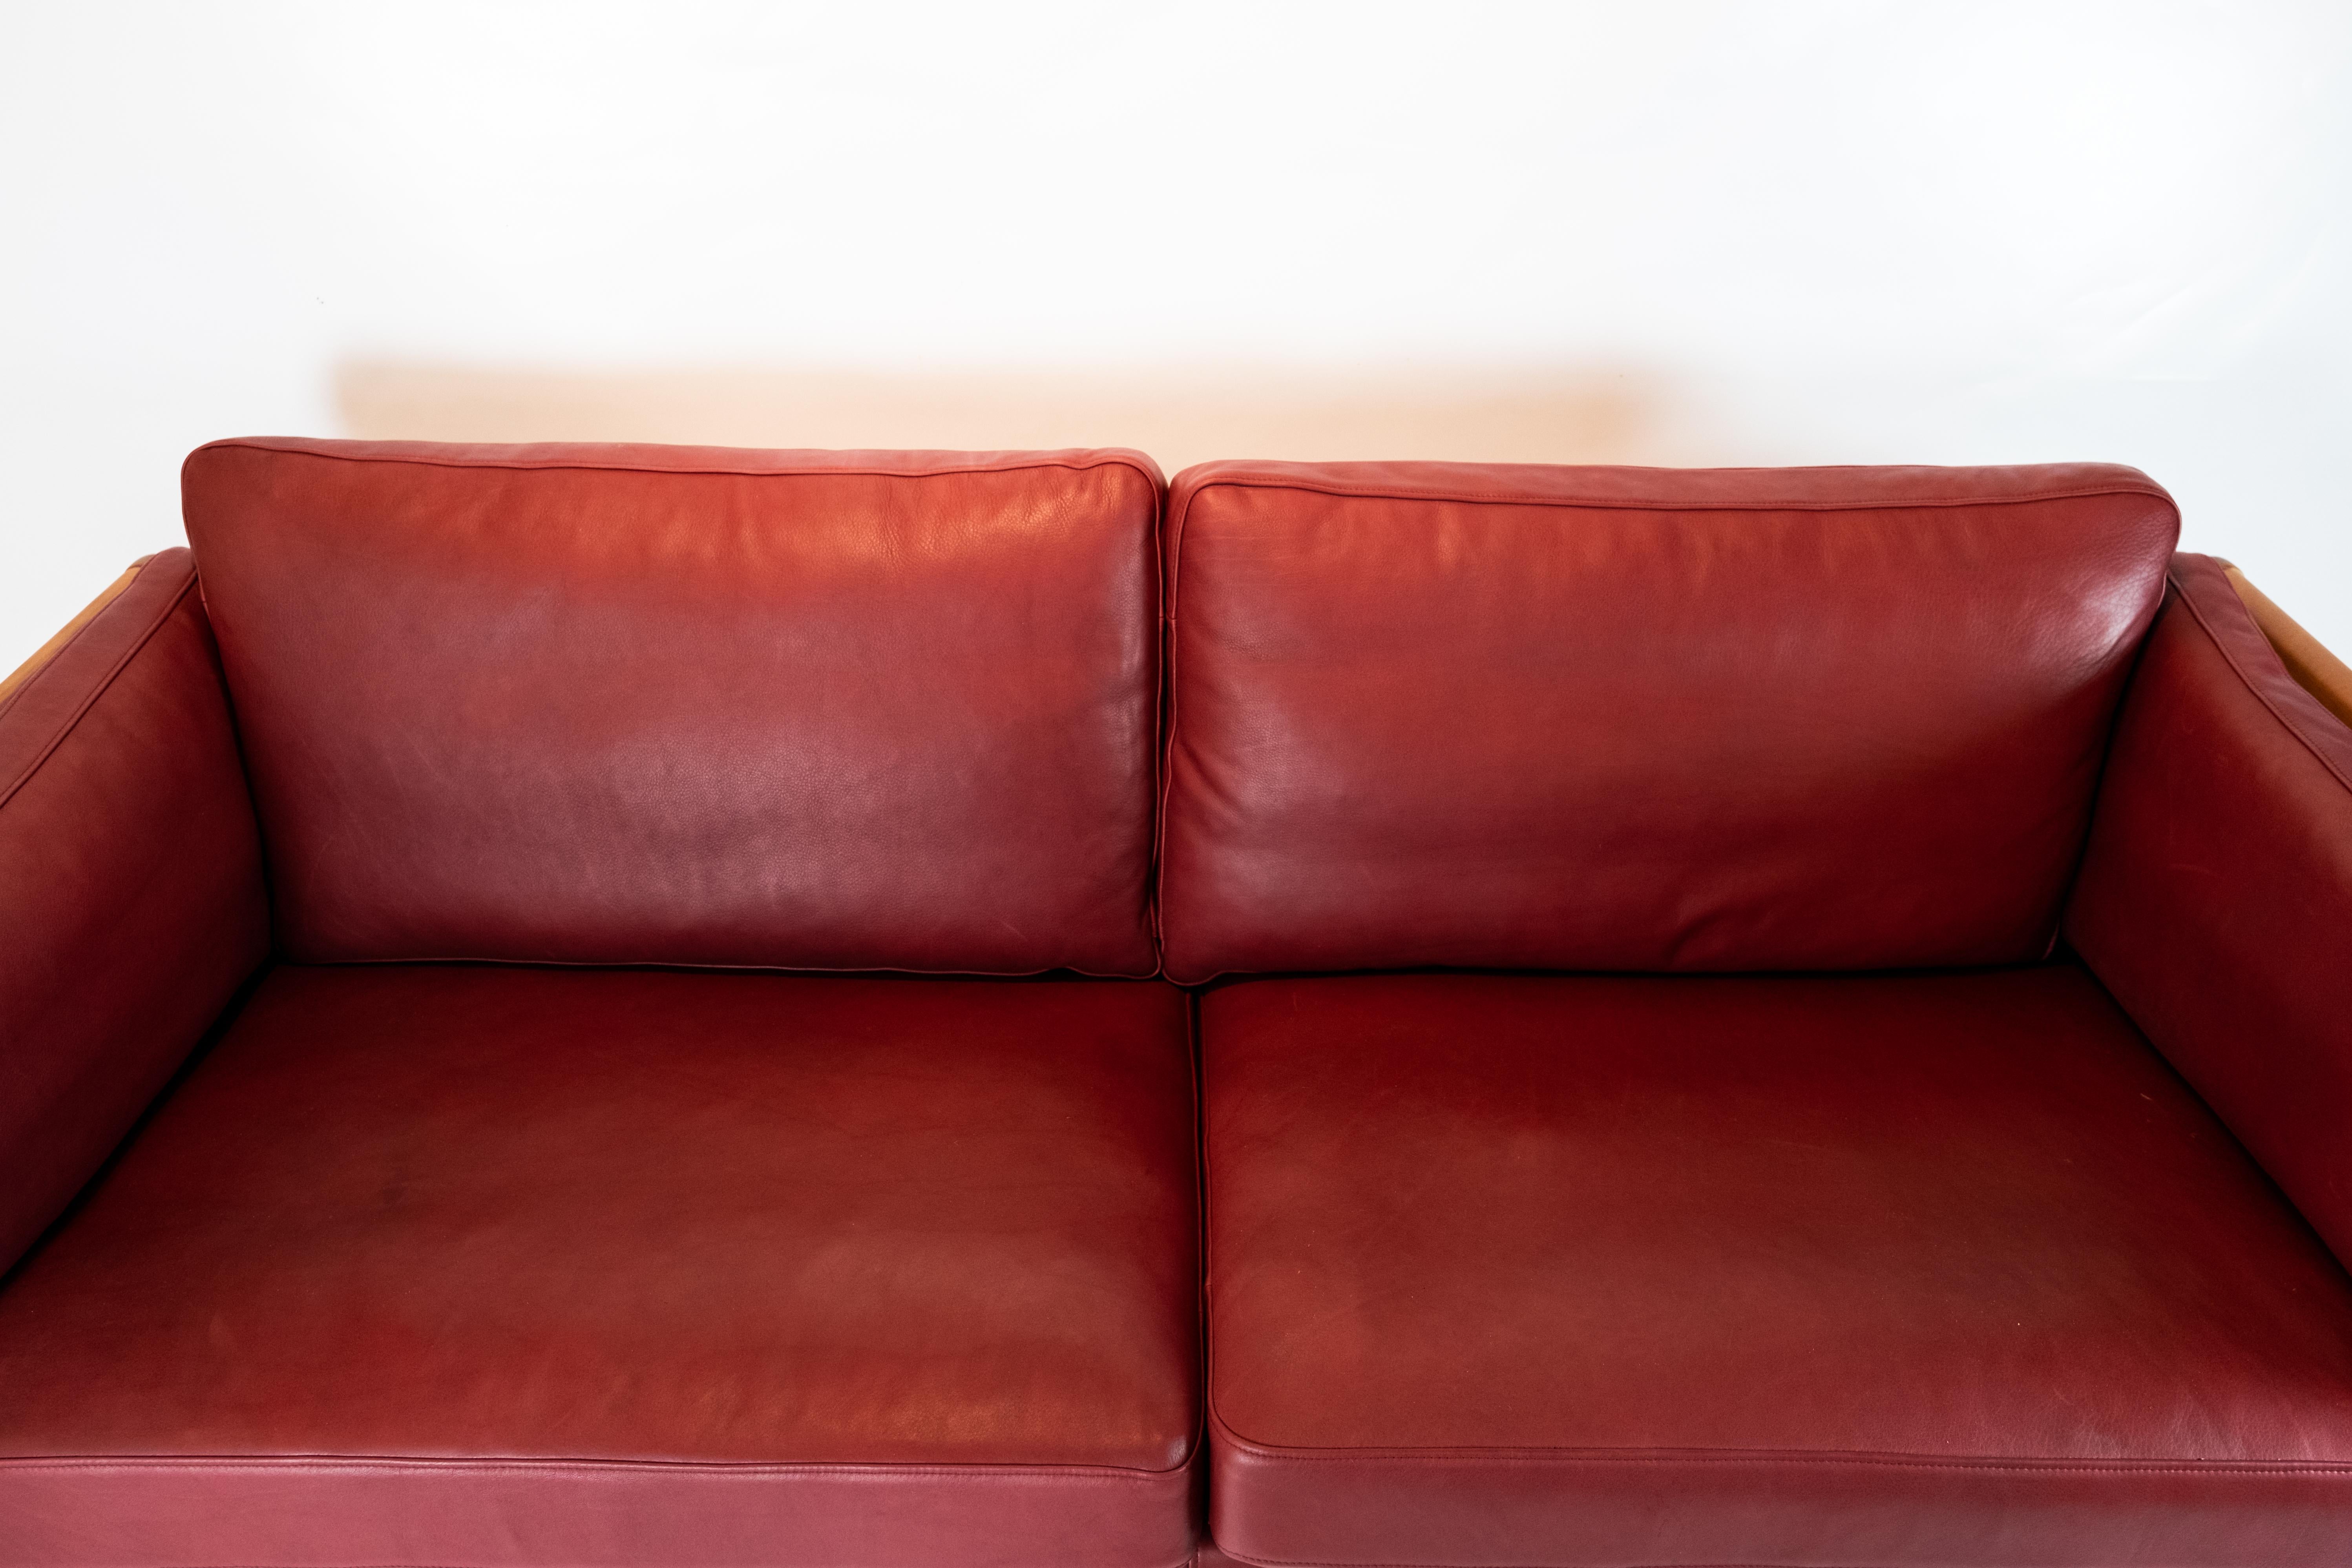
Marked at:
<point>1800,231</point>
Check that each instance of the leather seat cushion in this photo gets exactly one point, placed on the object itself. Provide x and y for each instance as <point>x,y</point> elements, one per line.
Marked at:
<point>1943,1269</point>
<point>472,1265</point>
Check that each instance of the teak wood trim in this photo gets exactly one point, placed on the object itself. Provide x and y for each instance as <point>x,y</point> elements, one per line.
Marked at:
<point>48,650</point>
<point>2314,669</point>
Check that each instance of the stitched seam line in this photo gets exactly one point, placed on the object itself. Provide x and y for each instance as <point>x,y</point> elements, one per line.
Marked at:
<point>1966,1466</point>
<point>1171,574</point>
<point>2255,687</point>
<point>1312,1562</point>
<point>728,968</point>
<point>1113,1475</point>
<point>1800,1458</point>
<point>1511,498</point>
<point>1163,718</point>
<point>518,466</point>
<point>1196,1053</point>
<point>98,689</point>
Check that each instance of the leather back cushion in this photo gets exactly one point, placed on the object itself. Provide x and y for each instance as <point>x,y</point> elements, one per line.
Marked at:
<point>1626,718</point>
<point>676,705</point>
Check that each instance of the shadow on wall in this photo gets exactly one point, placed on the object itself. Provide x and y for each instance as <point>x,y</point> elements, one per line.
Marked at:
<point>1179,416</point>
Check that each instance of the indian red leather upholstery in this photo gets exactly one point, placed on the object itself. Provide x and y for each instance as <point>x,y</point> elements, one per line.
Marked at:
<point>476,1264</point>
<point>588,1251</point>
<point>131,898</point>
<point>1928,1269</point>
<point>2216,899</point>
<point>1639,719</point>
<point>616,704</point>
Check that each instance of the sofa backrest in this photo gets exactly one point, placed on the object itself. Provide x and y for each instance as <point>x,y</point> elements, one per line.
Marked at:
<point>1627,718</point>
<point>674,705</point>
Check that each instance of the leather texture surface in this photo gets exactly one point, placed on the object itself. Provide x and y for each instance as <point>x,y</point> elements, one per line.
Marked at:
<point>131,893</point>
<point>677,705</point>
<point>479,1266</point>
<point>2216,898</point>
<point>1629,719</point>
<point>1867,1272</point>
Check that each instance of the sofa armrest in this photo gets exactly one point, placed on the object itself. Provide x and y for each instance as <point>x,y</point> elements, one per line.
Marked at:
<point>2215,899</point>
<point>131,904</point>
<point>2314,669</point>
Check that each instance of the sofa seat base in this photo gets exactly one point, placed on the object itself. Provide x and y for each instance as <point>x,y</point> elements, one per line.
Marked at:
<point>459,1266</point>
<point>1863,1271</point>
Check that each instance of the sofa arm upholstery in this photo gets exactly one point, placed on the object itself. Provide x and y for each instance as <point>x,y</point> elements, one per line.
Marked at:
<point>132,903</point>
<point>2315,669</point>
<point>2215,899</point>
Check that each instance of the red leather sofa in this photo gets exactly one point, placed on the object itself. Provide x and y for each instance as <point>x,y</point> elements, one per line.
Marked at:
<point>639,1005</point>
